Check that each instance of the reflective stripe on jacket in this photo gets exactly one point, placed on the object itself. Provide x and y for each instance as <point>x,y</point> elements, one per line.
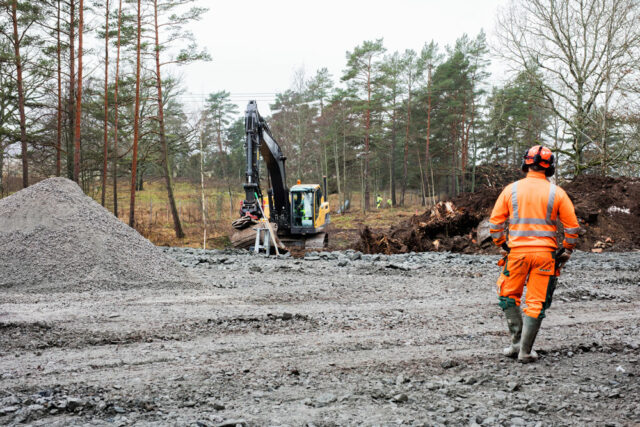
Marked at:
<point>532,206</point>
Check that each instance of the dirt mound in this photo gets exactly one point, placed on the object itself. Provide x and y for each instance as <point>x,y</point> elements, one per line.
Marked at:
<point>608,210</point>
<point>54,236</point>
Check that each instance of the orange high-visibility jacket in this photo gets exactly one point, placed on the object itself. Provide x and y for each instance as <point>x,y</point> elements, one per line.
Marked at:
<point>532,206</point>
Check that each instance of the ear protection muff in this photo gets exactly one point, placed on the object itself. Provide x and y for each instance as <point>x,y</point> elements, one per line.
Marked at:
<point>539,155</point>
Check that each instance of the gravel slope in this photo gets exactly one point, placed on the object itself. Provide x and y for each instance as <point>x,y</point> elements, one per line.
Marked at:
<point>53,236</point>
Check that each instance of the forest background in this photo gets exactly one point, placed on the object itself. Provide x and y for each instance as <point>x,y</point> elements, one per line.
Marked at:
<point>91,90</point>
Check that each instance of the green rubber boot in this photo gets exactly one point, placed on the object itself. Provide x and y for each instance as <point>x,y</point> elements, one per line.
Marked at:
<point>514,322</point>
<point>530,329</point>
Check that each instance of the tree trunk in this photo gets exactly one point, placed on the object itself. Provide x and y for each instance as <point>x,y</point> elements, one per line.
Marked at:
<point>337,164</point>
<point>344,161</point>
<point>72,87</point>
<point>106,106</point>
<point>115,125</point>
<point>365,173</point>
<point>23,120</point>
<point>394,138</point>
<point>136,125</point>
<point>463,145</point>
<point>1,170</point>
<point>406,149</point>
<point>221,154</point>
<point>163,140</point>
<point>77,136</point>
<point>422,186</point>
<point>59,112</point>
<point>428,152</point>
<point>202,198</point>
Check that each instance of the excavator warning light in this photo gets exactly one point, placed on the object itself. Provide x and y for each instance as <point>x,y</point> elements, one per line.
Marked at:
<point>299,182</point>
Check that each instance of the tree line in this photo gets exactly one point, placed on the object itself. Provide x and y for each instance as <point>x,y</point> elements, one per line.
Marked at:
<point>426,121</point>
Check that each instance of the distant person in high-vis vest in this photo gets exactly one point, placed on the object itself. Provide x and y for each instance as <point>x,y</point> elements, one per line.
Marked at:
<point>531,207</point>
<point>378,201</point>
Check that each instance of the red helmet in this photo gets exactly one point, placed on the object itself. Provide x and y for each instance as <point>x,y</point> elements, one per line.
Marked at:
<point>541,156</point>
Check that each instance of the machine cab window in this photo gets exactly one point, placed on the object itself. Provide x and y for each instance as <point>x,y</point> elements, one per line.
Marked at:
<point>303,208</point>
<point>318,203</point>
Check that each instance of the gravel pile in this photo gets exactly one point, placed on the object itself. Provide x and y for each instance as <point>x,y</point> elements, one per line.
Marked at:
<point>53,236</point>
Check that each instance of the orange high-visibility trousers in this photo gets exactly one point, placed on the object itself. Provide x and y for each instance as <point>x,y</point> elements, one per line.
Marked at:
<point>537,271</point>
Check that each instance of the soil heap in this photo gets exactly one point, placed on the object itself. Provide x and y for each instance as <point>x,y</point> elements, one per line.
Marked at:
<point>608,210</point>
<point>52,236</point>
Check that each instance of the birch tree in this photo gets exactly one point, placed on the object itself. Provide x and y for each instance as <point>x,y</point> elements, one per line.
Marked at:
<point>585,51</point>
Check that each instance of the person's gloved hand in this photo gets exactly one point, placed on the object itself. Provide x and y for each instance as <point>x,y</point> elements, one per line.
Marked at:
<point>564,258</point>
<point>504,250</point>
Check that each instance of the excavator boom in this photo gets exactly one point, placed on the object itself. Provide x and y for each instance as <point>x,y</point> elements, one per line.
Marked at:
<point>259,140</point>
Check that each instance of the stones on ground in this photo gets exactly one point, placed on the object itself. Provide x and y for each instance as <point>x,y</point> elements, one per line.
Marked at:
<point>73,403</point>
<point>233,423</point>
<point>354,256</point>
<point>324,399</point>
<point>312,256</point>
<point>500,396</point>
<point>8,410</point>
<point>533,407</point>
<point>287,316</point>
<point>449,363</point>
<point>10,401</point>
<point>398,266</point>
<point>400,398</point>
<point>513,386</point>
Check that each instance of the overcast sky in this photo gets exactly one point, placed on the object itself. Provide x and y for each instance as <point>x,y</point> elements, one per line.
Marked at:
<point>257,46</point>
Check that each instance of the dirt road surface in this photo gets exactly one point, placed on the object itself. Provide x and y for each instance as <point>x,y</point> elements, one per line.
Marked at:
<point>334,339</point>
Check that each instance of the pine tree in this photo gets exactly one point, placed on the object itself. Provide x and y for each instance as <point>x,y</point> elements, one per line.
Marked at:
<point>361,70</point>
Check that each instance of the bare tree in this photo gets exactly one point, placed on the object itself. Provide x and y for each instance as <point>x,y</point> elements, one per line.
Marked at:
<point>585,50</point>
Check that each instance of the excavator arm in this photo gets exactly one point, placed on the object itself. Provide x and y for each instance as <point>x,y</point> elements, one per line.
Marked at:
<point>260,140</point>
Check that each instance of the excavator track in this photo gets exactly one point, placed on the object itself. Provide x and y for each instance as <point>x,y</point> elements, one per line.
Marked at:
<point>315,241</point>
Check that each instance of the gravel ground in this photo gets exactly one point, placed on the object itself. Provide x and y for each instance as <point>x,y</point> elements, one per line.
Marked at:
<point>332,339</point>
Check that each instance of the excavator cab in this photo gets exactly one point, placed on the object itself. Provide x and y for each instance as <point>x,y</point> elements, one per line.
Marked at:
<point>309,211</point>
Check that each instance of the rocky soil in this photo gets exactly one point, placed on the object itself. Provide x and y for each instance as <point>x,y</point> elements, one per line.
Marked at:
<point>331,339</point>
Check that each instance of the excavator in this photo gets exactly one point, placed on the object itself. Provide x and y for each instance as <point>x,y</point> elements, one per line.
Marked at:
<point>298,216</point>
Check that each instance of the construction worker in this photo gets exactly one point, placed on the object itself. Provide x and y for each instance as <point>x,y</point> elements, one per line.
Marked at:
<point>378,201</point>
<point>531,206</point>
